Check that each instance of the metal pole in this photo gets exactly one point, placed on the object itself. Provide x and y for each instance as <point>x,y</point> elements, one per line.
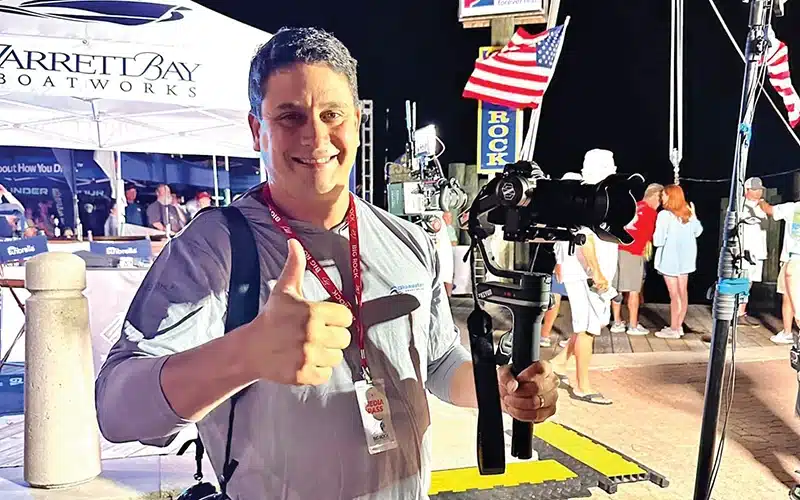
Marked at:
<point>228,189</point>
<point>725,305</point>
<point>552,19</point>
<point>216,181</point>
<point>262,169</point>
<point>119,191</point>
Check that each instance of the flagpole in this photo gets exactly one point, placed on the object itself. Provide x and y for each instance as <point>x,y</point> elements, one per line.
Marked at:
<point>533,128</point>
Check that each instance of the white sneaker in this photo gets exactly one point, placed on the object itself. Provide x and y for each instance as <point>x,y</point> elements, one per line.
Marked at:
<point>637,330</point>
<point>782,338</point>
<point>618,327</point>
<point>668,333</point>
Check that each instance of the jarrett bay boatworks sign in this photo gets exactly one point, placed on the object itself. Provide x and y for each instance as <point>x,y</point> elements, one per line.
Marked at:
<point>111,71</point>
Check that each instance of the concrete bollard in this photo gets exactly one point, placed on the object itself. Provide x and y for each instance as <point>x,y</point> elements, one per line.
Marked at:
<point>62,439</point>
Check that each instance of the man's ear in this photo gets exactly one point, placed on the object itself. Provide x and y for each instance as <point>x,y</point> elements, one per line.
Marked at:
<point>255,130</point>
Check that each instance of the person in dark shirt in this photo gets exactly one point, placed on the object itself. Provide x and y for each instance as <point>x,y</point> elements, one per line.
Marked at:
<point>133,211</point>
<point>164,212</point>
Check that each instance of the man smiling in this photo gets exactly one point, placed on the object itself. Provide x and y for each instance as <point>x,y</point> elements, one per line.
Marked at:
<point>333,354</point>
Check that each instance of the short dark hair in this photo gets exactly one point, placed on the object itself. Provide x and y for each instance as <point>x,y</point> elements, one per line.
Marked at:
<point>299,45</point>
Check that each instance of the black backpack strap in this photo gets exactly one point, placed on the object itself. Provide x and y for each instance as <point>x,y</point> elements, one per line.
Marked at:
<point>244,296</point>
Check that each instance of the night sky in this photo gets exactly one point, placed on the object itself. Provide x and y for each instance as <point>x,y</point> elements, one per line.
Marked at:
<point>611,86</point>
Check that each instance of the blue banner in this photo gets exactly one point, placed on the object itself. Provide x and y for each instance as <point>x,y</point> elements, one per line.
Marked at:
<point>44,186</point>
<point>244,174</point>
<point>499,131</point>
<point>139,249</point>
<point>15,250</point>
<point>23,163</point>
<point>164,169</point>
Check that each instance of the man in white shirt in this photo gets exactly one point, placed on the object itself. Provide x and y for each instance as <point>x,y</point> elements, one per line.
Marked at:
<point>789,276</point>
<point>754,240</point>
<point>590,304</point>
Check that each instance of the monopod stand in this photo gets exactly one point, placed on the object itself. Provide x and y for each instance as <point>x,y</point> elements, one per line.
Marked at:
<point>725,296</point>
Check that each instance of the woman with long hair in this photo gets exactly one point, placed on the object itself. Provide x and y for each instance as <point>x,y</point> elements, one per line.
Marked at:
<point>675,239</point>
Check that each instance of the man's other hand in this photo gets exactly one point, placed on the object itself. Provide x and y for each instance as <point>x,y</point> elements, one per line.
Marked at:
<point>532,395</point>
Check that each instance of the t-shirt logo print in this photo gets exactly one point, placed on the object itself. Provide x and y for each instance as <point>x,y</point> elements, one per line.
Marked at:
<point>413,287</point>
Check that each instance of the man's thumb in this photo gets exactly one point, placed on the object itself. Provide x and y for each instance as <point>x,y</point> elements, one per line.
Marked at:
<point>291,278</point>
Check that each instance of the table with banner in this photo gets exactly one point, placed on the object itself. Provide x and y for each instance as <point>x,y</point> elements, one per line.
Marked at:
<point>109,290</point>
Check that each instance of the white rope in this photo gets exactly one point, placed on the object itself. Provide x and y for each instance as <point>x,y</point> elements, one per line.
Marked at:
<point>760,83</point>
<point>676,89</point>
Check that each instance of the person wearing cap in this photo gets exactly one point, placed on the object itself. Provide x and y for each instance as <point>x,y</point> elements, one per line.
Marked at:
<point>133,211</point>
<point>200,201</point>
<point>754,241</point>
<point>587,275</point>
<point>789,276</point>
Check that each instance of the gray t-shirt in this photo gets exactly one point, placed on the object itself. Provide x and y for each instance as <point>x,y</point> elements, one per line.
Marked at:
<point>293,442</point>
<point>158,212</point>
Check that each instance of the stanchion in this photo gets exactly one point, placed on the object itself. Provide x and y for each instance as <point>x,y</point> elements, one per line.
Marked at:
<point>62,440</point>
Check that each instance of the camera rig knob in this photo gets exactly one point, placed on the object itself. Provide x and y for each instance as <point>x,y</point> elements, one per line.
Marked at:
<point>513,191</point>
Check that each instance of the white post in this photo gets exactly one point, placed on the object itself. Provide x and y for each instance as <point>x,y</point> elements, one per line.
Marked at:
<point>216,181</point>
<point>262,168</point>
<point>228,190</point>
<point>62,439</point>
<point>119,192</point>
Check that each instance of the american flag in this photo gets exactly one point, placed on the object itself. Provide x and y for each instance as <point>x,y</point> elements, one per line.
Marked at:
<point>517,76</point>
<point>779,77</point>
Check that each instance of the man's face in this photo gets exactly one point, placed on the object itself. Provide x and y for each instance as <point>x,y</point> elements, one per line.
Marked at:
<point>754,194</point>
<point>163,193</point>
<point>654,200</point>
<point>130,195</point>
<point>309,131</point>
<point>204,202</point>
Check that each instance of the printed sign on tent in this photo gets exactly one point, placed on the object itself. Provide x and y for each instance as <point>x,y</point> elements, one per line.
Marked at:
<point>139,249</point>
<point>16,250</point>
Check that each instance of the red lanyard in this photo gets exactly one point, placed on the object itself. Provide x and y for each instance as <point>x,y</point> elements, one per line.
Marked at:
<point>322,276</point>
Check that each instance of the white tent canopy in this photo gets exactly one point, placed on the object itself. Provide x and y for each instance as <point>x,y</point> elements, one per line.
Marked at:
<point>125,75</point>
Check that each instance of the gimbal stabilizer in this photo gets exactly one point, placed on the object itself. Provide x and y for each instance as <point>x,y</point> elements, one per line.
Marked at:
<point>555,213</point>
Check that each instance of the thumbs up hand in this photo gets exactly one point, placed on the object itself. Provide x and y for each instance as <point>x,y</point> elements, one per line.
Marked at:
<point>293,340</point>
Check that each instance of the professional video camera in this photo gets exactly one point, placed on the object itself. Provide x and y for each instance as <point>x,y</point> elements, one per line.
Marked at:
<point>424,191</point>
<point>531,208</point>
